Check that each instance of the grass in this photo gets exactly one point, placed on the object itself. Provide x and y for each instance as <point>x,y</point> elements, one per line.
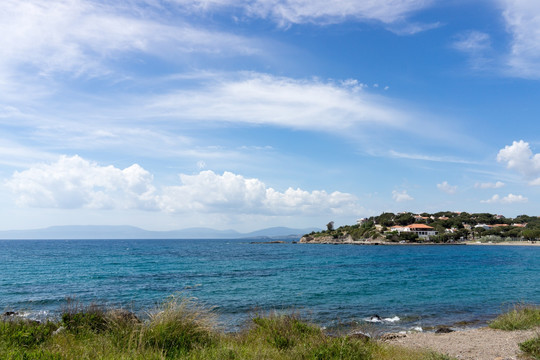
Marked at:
<point>521,317</point>
<point>531,347</point>
<point>183,329</point>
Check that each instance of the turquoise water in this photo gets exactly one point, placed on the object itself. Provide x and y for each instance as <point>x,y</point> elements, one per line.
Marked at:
<point>421,285</point>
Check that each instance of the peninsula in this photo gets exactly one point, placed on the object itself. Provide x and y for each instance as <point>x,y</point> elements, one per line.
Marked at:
<point>445,227</point>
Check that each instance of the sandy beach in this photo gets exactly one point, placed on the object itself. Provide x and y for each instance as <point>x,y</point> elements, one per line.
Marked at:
<point>473,344</point>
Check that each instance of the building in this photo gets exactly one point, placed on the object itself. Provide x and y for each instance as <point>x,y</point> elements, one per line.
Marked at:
<point>423,231</point>
<point>362,221</point>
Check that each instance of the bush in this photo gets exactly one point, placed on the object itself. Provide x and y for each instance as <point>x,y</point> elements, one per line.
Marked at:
<point>23,333</point>
<point>283,331</point>
<point>25,354</point>
<point>343,349</point>
<point>531,347</point>
<point>521,317</point>
<point>179,325</point>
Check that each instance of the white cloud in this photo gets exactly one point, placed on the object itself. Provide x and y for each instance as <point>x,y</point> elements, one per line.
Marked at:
<point>509,199</point>
<point>79,36</point>
<point>423,157</point>
<point>522,19</point>
<point>209,192</point>
<point>401,196</point>
<point>256,98</point>
<point>447,188</point>
<point>412,28</point>
<point>489,185</point>
<point>477,45</point>
<point>286,12</point>
<point>73,182</point>
<point>473,42</point>
<point>519,157</point>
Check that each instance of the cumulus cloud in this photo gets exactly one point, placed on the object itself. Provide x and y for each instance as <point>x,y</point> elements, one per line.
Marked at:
<point>286,12</point>
<point>489,185</point>
<point>519,157</point>
<point>73,182</point>
<point>509,199</point>
<point>401,196</point>
<point>447,188</point>
<point>211,192</point>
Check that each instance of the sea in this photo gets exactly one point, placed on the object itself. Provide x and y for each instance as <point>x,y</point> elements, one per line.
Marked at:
<point>379,288</point>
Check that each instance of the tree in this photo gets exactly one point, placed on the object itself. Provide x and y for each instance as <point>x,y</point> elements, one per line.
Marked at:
<point>330,226</point>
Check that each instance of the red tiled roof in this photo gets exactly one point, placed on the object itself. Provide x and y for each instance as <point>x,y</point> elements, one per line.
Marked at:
<point>418,226</point>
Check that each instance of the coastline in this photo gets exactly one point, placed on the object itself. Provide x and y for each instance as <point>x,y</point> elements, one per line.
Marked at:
<point>468,344</point>
<point>349,241</point>
<point>504,243</point>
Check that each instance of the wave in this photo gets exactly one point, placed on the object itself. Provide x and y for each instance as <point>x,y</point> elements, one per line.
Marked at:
<point>378,319</point>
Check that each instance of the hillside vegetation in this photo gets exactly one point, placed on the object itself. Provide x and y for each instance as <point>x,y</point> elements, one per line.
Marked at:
<point>450,227</point>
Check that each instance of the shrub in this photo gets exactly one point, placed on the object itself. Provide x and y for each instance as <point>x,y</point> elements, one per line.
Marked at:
<point>283,331</point>
<point>179,325</point>
<point>25,354</point>
<point>343,349</point>
<point>23,333</point>
<point>521,317</point>
<point>531,347</point>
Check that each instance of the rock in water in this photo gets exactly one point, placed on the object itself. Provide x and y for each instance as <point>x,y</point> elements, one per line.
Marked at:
<point>443,330</point>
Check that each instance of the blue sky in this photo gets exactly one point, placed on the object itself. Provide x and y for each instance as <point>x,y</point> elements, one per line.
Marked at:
<point>245,114</point>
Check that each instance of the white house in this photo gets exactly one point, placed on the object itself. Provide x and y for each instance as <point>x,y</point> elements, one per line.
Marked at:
<point>423,231</point>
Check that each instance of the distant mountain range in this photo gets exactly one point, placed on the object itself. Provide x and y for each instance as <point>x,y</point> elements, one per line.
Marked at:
<point>132,232</point>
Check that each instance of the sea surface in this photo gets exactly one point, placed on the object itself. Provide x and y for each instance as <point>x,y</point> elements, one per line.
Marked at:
<point>333,286</point>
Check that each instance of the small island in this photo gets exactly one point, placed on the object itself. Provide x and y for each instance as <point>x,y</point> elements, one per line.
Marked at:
<point>445,227</point>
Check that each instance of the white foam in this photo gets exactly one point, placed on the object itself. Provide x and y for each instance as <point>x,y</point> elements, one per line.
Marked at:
<point>373,319</point>
<point>376,319</point>
<point>417,328</point>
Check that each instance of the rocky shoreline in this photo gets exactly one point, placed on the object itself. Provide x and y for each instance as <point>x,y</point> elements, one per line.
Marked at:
<point>348,240</point>
<point>470,344</point>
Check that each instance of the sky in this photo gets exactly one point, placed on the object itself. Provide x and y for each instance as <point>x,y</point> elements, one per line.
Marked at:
<point>247,114</point>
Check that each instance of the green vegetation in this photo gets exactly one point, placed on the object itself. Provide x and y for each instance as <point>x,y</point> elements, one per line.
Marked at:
<point>450,226</point>
<point>521,317</point>
<point>182,329</point>
<point>531,347</point>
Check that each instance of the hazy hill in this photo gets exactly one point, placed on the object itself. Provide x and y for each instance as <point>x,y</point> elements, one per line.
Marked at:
<point>132,232</point>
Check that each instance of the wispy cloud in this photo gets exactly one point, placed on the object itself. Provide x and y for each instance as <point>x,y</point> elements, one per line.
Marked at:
<point>255,98</point>
<point>411,28</point>
<point>477,45</point>
<point>447,159</point>
<point>473,42</point>
<point>522,19</point>
<point>286,12</point>
<point>80,36</point>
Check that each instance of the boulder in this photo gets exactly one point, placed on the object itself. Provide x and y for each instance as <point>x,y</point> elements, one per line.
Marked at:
<point>443,330</point>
